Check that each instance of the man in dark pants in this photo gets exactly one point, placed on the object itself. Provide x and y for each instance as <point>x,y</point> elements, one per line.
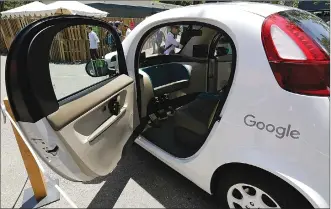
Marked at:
<point>117,25</point>
<point>158,38</point>
<point>109,39</point>
<point>94,41</point>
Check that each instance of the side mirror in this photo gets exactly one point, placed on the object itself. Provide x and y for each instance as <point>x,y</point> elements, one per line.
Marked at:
<point>97,68</point>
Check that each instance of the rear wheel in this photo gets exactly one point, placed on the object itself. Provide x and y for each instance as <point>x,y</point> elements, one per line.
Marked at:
<point>247,189</point>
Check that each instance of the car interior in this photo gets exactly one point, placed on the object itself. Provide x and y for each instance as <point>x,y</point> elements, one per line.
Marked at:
<point>182,94</point>
<point>179,97</point>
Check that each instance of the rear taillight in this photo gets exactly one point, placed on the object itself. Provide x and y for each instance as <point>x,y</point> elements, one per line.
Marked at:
<point>299,64</point>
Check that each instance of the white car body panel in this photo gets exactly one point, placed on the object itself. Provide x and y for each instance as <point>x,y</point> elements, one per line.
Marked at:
<point>301,162</point>
<point>258,8</point>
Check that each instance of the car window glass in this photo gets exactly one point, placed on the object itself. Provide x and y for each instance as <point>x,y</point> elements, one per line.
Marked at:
<point>77,59</point>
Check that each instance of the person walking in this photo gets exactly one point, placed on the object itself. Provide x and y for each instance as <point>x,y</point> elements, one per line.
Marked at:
<point>94,41</point>
<point>171,42</point>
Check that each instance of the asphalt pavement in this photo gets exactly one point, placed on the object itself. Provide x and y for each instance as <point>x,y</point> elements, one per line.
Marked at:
<point>139,181</point>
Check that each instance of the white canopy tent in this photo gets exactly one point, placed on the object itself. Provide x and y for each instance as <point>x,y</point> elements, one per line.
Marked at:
<point>32,8</point>
<point>58,7</point>
<point>75,8</point>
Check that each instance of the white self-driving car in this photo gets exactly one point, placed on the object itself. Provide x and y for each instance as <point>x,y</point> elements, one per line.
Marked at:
<point>241,109</point>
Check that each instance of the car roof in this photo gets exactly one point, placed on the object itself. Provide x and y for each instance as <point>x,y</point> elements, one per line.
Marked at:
<point>262,9</point>
<point>234,12</point>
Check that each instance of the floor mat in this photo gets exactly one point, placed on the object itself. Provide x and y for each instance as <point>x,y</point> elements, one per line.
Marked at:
<point>164,138</point>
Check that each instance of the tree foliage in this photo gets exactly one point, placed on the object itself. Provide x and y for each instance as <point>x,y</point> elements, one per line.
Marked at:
<point>291,3</point>
<point>182,3</point>
<point>7,5</point>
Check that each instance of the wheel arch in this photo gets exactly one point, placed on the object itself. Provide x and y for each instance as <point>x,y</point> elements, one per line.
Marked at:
<point>309,194</point>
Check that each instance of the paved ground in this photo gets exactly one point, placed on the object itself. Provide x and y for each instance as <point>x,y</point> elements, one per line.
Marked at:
<point>139,181</point>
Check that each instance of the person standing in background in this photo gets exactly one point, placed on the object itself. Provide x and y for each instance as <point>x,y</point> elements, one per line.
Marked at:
<point>159,37</point>
<point>117,28</point>
<point>109,38</point>
<point>94,41</point>
<point>128,30</point>
<point>170,42</point>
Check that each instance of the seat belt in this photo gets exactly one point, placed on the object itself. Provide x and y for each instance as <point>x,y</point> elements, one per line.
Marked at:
<point>213,114</point>
<point>217,110</point>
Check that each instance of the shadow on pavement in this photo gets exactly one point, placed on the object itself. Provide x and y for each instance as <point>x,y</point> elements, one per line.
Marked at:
<point>167,186</point>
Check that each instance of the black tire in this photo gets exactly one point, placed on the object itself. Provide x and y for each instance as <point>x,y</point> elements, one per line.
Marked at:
<point>282,193</point>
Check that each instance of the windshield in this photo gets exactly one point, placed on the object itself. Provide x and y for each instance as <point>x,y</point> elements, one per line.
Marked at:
<point>314,26</point>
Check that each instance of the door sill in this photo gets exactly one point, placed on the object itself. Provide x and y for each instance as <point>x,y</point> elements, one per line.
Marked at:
<point>157,151</point>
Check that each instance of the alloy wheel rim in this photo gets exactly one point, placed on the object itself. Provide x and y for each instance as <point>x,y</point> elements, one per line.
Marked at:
<point>248,196</point>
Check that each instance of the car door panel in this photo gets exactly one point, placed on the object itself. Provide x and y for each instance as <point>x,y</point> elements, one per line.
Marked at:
<point>95,137</point>
<point>70,111</point>
<point>64,161</point>
<point>81,136</point>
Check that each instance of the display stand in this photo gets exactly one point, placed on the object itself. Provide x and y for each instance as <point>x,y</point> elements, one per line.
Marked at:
<point>40,193</point>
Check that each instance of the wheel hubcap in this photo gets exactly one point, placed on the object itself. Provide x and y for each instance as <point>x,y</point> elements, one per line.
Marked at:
<point>248,196</point>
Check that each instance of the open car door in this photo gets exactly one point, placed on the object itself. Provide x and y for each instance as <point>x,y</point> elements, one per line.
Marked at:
<point>81,136</point>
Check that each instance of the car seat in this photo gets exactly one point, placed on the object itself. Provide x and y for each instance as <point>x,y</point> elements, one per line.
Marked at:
<point>168,78</point>
<point>157,80</point>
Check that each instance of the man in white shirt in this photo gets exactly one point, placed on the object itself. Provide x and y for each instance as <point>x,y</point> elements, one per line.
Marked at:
<point>128,30</point>
<point>170,42</point>
<point>94,41</point>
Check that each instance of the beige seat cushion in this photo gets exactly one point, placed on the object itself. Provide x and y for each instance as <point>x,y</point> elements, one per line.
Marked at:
<point>147,92</point>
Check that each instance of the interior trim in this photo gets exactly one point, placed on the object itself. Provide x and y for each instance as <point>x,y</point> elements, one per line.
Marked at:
<point>84,92</point>
<point>164,59</point>
<point>71,111</point>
